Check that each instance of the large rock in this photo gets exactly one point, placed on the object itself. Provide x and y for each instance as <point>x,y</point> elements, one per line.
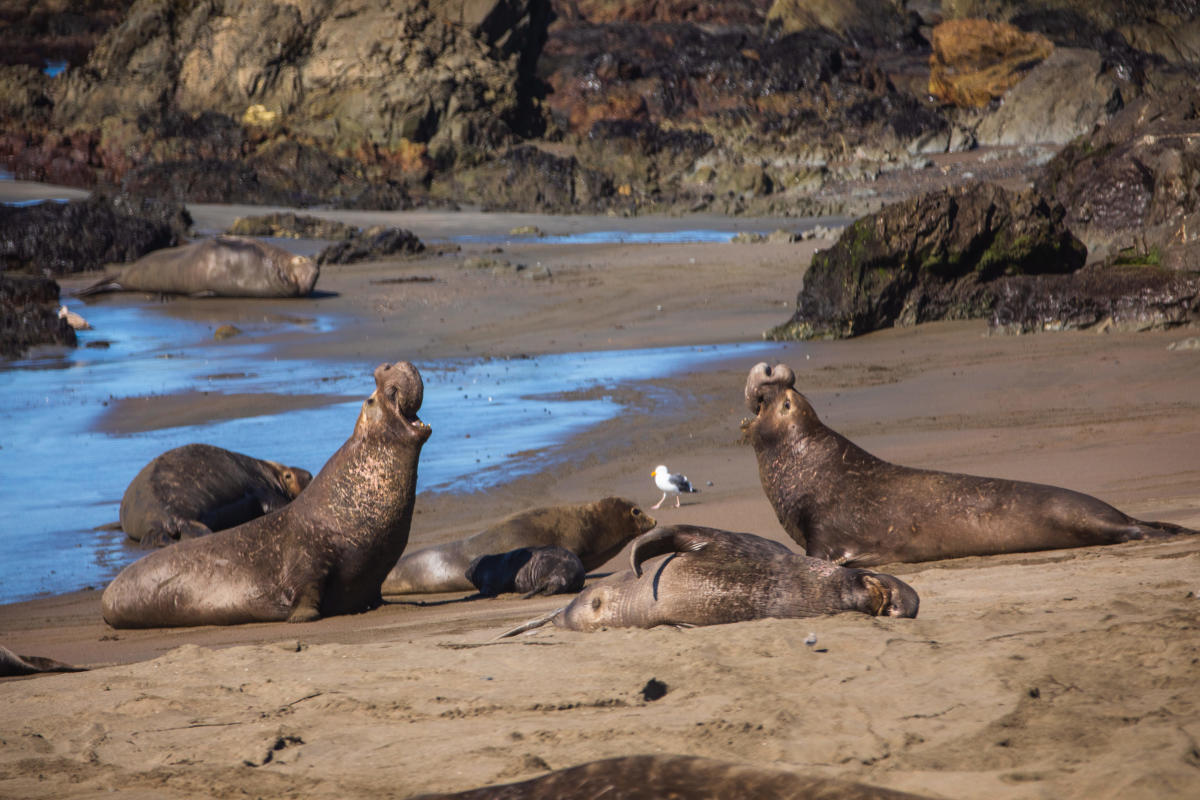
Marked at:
<point>1120,297</point>
<point>975,61</point>
<point>371,245</point>
<point>29,315</point>
<point>1134,184</point>
<point>61,238</point>
<point>933,257</point>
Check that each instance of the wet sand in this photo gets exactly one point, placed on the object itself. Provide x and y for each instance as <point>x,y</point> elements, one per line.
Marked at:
<point>1059,674</point>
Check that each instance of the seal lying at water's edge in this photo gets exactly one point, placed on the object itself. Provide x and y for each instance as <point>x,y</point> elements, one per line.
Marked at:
<point>13,664</point>
<point>841,503</point>
<point>593,531</point>
<point>224,266</point>
<point>196,489</point>
<point>325,553</point>
<point>529,570</point>
<point>715,577</point>
<point>662,776</point>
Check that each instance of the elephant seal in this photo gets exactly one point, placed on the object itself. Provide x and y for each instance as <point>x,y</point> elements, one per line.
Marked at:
<point>663,776</point>
<point>13,664</point>
<point>715,577</point>
<point>529,570</point>
<point>325,553</point>
<point>593,531</point>
<point>224,266</point>
<point>841,503</point>
<point>196,489</point>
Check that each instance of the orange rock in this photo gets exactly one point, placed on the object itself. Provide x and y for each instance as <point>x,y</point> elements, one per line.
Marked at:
<point>975,61</point>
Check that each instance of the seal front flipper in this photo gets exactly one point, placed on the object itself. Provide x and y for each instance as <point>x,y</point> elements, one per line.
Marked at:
<point>531,624</point>
<point>660,541</point>
<point>308,604</point>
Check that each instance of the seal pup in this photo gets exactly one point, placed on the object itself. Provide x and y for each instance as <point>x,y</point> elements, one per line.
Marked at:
<point>529,570</point>
<point>593,531</point>
<point>671,776</point>
<point>196,489</point>
<point>669,482</point>
<point>841,503</point>
<point>224,266</point>
<point>13,664</point>
<point>714,577</point>
<point>327,552</point>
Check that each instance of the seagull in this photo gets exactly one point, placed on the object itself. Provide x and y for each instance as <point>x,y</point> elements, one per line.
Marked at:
<point>670,484</point>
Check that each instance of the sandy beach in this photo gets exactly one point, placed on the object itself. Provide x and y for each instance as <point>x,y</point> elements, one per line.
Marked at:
<point>1064,674</point>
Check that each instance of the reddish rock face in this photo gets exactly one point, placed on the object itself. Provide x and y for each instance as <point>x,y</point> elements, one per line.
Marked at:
<point>975,61</point>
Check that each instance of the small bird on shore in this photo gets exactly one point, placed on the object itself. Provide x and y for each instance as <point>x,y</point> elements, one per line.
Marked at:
<point>669,483</point>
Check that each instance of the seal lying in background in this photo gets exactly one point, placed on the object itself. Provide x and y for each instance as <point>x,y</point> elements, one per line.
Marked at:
<point>716,577</point>
<point>324,553</point>
<point>593,531</point>
<point>665,776</point>
<point>841,503</point>
<point>13,664</point>
<point>529,570</point>
<point>196,489</point>
<point>224,266</point>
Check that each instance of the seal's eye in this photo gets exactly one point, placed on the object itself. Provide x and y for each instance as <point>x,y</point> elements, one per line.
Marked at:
<point>391,392</point>
<point>637,512</point>
<point>596,603</point>
<point>787,405</point>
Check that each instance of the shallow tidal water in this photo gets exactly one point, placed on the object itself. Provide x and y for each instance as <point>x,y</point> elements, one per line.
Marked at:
<point>61,476</point>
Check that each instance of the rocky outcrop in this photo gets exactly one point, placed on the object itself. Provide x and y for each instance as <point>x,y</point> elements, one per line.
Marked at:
<point>1132,187</point>
<point>29,315</point>
<point>289,225</point>
<point>938,256</point>
<point>41,32</point>
<point>1120,297</point>
<point>62,238</point>
<point>975,61</point>
<point>371,245</point>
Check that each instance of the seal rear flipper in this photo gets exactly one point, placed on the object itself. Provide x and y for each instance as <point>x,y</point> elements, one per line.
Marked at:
<point>13,664</point>
<point>109,526</point>
<point>109,283</point>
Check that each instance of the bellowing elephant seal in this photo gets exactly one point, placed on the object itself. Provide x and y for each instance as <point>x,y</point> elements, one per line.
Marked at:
<point>224,266</point>
<point>593,531</point>
<point>841,503</point>
<point>324,553</point>
<point>643,777</point>
<point>716,577</point>
<point>196,489</point>
<point>529,570</point>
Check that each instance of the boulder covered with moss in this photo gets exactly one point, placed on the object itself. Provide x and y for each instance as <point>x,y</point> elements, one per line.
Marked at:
<point>937,256</point>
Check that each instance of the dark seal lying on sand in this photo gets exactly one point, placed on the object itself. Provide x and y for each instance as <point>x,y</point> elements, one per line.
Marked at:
<point>650,777</point>
<point>13,664</point>
<point>593,531</point>
<point>841,503</point>
<point>529,570</point>
<point>224,266</point>
<point>325,553</point>
<point>714,577</point>
<point>196,489</point>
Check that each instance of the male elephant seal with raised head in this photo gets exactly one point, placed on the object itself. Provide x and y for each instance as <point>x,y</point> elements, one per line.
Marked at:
<point>715,577</point>
<point>196,489</point>
<point>224,266</point>
<point>650,777</point>
<point>593,531</point>
<point>327,552</point>
<point>841,503</point>
<point>528,570</point>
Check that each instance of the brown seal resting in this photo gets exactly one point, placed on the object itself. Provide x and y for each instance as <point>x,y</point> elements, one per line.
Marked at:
<point>841,503</point>
<point>13,664</point>
<point>196,489</point>
<point>325,553</point>
<point>529,570</point>
<point>649,777</point>
<point>224,266</point>
<point>714,577</point>
<point>593,531</point>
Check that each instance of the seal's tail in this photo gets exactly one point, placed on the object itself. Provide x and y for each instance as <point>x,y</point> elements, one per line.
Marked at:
<point>1156,529</point>
<point>105,284</point>
<point>533,623</point>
